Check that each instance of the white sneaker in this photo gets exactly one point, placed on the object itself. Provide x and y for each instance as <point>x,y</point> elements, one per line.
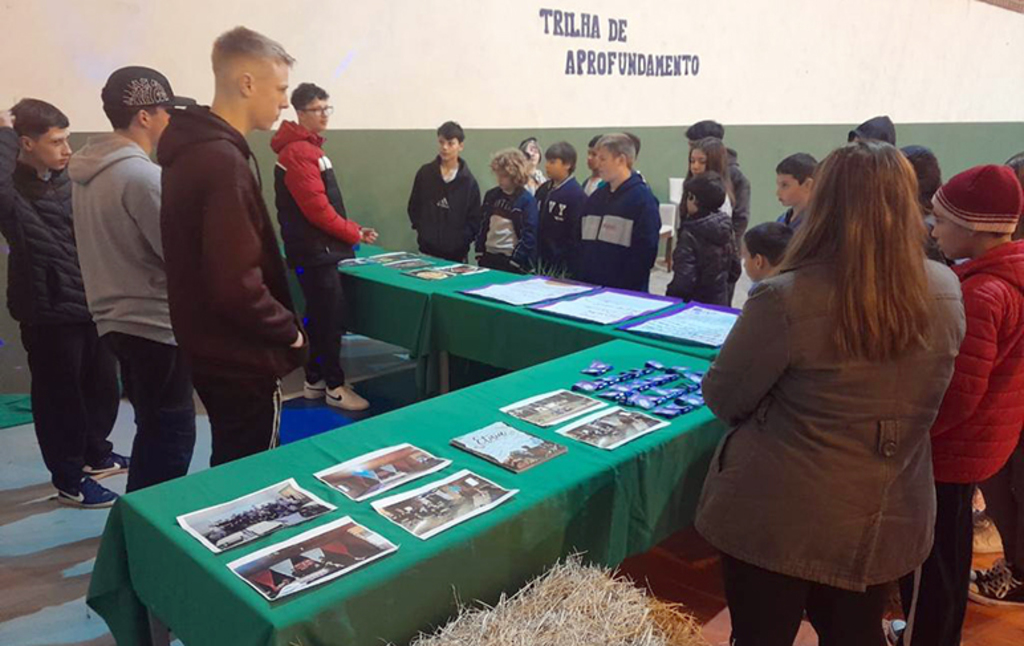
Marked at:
<point>345,398</point>
<point>314,391</point>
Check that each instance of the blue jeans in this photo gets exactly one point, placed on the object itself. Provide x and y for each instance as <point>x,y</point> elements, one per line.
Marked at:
<point>159,386</point>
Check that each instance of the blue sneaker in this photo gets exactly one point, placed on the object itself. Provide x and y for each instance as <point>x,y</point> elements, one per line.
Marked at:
<point>90,495</point>
<point>113,464</point>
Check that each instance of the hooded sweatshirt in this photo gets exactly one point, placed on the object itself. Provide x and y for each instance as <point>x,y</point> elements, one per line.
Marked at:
<point>705,261</point>
<point>314,226</point>
<point>619,236</point>
<point>979,422</point>
<point>445,215</point>
<point>116,201</point>
<point>230,306</point>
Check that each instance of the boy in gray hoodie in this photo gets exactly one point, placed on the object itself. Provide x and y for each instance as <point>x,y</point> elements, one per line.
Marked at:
<point>116,197</point>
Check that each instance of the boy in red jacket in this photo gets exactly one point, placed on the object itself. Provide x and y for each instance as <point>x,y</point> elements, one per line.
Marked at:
<point>979,422</point>
<point>317,235</point>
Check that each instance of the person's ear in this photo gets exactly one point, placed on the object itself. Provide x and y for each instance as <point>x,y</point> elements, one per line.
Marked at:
<point>247,84</point>
<point>27,143</point>
<point>144,117</point>
<point>809,184</point>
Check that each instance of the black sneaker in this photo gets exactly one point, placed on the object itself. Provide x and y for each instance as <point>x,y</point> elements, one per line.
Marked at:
<point>998,586</point>
<point>113,464</point>
<point>90,495</point>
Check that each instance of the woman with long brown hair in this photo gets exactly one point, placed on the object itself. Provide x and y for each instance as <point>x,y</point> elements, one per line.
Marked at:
<point>822,492</point>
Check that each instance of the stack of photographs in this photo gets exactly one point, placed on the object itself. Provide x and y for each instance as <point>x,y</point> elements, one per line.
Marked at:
<point>438,506</point>
<point>610,429</point>
<point>448,271</point>
<point>552,408</point>
<point>311,558</point>
<point>508,447</point>
<point>373,473</point>
<point>253,516</point>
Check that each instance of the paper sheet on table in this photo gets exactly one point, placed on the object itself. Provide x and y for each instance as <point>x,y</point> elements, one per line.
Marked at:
<point>695,324</point>
<point>606,307</point>
<point>529,291</point>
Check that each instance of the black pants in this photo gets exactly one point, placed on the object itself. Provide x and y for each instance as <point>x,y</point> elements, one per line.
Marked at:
<point>935,614</point>
<point>500,262</point>
<point>165,417</point>
<point>1004,503</point>
<point>74,397</point>
<point>326,312</point>
<point>767,608</point>
<point>245,414</point>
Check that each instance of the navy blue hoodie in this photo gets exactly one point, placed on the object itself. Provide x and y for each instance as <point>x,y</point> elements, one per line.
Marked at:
<point>619,236</point>
<point>560,210</point>
<point>518,210</point>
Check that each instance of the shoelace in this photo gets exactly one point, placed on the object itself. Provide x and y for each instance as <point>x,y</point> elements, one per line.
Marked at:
<point>1001,583</point>
<point>983,576</point>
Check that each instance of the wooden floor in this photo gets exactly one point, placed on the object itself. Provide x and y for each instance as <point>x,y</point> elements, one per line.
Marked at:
<point>685,569</point>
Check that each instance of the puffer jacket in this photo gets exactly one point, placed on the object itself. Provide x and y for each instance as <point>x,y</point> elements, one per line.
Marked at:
<point>705,260</point>
<point>44,280</point>
<point>980,420</point>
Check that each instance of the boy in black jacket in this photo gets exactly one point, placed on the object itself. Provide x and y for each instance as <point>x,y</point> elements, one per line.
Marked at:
<point>560,201</point>
<point>705,260</point>
<point>444,207</point>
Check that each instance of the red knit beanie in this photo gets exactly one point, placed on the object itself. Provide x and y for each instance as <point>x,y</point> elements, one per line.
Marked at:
<point>984,198</point>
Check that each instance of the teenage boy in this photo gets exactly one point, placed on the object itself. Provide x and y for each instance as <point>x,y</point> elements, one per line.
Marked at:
<point>317,235</point>
<point>560,201</point>
<point>979,422</point>
<point>116,198</point>
<point>594,179</point>
<point>74,375</point>
<point>763,249</point>
<point>444,206</point>
<point>619,229</point>
<point>794,184</point>
<point>230,307</point>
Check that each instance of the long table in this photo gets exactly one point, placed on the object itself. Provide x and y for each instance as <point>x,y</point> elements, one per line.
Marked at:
<point>432,318</point>
<point>609,504</point>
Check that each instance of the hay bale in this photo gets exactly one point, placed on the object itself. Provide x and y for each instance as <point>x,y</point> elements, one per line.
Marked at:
<point>571,605</point>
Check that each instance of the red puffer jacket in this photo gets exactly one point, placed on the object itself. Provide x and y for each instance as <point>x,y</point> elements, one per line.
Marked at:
<point>979,422</point>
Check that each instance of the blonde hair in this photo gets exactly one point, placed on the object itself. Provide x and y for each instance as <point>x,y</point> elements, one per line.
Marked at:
<point>864,218</point>
<point>619,145</point>
<point>243,42</point>
<point>513,163</point>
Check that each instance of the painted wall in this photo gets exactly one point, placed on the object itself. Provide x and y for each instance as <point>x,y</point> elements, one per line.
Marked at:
<point>795,75</point>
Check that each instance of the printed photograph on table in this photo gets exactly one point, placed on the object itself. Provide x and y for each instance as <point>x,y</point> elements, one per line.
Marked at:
<point>429,273</point>
<point>373,473</point>
<point>508,447</point>
<point>311,558</point>
<point>405,265</point>
<point>253,516</point>
<point>552,408</point>
<point>435,507</point>
<point>610,429</point>
<point>394,256</point>
<point>462,270</point>
<point>606,306</point>
<point>529,291</point>
<point>356,262</point>
<point>701,324</point>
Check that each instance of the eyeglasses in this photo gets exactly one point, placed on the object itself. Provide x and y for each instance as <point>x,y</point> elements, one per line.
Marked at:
<point>324,111</point>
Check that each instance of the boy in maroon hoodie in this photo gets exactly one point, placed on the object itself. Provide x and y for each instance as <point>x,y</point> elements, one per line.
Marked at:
<point>230,308</point>
<point>317,235</point>
<point>979,422</point>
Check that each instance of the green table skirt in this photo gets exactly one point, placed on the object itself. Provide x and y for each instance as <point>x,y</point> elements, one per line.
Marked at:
<point>609,504</point>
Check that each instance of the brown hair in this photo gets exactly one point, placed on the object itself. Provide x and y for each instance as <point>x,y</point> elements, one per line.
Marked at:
<point>244,42</point>
<point>512,162</point>
<point>864,218</point>
<point>718,160</point>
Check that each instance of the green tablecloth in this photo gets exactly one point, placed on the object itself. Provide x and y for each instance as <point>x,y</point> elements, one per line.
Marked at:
<point>15,410</point>
<point>432,316</point>
<point>610,504</point>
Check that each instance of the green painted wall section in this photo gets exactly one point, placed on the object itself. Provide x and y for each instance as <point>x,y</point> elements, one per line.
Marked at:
<point>376,168</point>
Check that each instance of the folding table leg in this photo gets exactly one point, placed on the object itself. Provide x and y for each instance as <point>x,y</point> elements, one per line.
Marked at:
<point>444,368</point>
<point>159,633</point>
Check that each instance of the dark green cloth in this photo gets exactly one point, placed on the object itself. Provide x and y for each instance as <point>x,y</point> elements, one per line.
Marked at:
<point>15,410</point>
<point>610,504</point>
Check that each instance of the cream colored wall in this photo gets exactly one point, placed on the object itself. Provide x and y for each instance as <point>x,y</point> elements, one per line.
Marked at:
<point>409,64</point>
